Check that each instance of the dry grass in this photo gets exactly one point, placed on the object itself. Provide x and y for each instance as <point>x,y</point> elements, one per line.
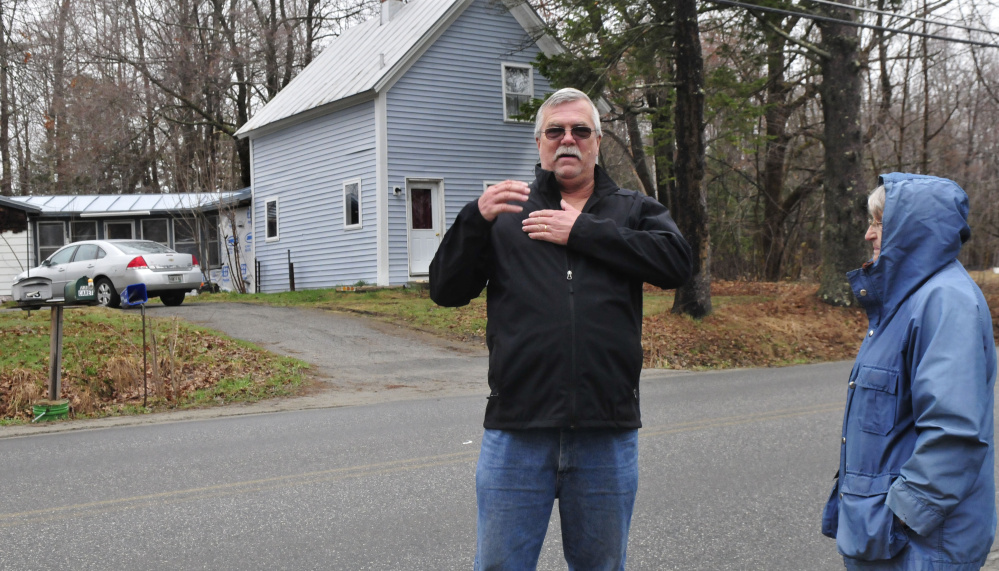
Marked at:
<point>754,325</point>
<point>102,369</point>
<point>764,325</point>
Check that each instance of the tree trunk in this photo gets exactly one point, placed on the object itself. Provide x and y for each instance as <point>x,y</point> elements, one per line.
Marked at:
<point>924,149</point>
<point>638,156</point>
<point>6,178</point>
<point>150,179</point>
<point>777,112</point>
<point>693,298</point>
<point>845,198</point>
<point>57,129</point>
<point>663,145</point>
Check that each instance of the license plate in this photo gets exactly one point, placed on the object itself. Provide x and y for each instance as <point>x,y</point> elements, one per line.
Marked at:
<point>176,279</point>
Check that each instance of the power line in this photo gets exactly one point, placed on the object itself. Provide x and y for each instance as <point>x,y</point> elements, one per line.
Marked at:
<point>855,24</point>
<point>897,15</point>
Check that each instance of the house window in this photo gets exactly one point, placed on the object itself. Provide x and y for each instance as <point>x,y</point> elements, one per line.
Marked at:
<point>156,230</point>
<point>352,204</point>
<point>422,208</point>
<point>118,230</point>
<point>212,241</point>
<point>185,236</point>
<point>82,231</point>
<point>518,89</point>
<point>51,237</point>
<point>271,209</point>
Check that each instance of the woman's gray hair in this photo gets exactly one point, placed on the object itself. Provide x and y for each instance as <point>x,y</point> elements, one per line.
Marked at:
<point>565,95</point>
<point>876,203</point>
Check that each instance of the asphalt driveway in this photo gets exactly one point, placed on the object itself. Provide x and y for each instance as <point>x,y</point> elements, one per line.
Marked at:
<point>359,360</point>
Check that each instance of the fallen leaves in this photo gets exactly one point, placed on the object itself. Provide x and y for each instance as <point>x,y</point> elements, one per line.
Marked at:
<point>102,369</point>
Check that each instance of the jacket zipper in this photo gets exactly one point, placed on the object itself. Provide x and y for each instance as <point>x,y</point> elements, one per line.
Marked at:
<point>573,381</point>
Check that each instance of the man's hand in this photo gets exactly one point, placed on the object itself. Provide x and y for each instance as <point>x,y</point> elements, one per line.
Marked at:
<point>551,225</point>
<point>496,199</point>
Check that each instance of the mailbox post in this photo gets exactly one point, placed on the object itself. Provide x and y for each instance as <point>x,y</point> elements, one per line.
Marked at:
<point>133,295</point>
<point>36,293</point>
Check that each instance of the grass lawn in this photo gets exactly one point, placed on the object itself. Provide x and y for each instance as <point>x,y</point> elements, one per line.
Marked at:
<point>752,325</point>
<point>187,366</point>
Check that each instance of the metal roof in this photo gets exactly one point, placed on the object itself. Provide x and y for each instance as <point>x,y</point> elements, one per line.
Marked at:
<point>367,57</point>
<point>123,204</point>
<point>9,202</point>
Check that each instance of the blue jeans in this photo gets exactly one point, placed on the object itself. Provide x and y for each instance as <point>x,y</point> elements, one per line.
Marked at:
<point>594,475</point>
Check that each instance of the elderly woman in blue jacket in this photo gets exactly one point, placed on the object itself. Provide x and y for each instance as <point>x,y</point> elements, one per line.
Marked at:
<point>916,483</point>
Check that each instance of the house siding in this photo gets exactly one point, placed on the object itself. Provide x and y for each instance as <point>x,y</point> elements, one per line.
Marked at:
<point>445,119</point>
<point>13,258</point>
<point>304,168</point>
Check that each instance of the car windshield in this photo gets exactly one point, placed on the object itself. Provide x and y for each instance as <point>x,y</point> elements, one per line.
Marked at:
<point>142,247</point>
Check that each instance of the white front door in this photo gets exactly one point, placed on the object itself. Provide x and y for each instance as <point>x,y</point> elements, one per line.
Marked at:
<point>425,221</point>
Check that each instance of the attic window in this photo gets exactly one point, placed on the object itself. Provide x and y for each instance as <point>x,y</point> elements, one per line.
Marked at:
<point>518,89</point>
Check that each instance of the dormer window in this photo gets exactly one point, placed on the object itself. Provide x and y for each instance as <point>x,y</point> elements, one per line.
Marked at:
<point>518,89</point>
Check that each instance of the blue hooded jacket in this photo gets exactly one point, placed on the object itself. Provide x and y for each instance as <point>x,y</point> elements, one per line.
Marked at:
<point>916,486</point>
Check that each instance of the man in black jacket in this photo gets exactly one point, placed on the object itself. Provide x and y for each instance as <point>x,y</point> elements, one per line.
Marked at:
<point>564,260</point>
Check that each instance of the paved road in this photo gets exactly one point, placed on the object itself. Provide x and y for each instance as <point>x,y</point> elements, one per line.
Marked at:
<point>734,467</point>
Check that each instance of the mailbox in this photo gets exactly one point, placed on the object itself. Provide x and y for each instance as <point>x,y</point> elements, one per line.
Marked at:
<point>80,292</point>
<point>134,294</point>
<point>32,291</point>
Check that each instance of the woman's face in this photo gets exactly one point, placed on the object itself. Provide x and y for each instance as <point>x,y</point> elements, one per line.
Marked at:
<point>874,236</point>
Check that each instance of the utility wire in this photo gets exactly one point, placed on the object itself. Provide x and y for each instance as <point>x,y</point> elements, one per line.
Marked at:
<point>855,24</point>
<point>897,15</point>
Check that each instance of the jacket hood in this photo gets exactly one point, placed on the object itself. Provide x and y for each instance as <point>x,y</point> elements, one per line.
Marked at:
<point>925,222</point>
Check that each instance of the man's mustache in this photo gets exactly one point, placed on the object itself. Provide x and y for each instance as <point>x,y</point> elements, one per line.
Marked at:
<point>569,151</point>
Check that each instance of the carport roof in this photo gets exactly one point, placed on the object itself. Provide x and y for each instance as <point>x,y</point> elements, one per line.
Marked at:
<point>124,204</point>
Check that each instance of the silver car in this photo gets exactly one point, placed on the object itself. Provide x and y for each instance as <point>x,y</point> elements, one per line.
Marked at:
<point>116,264</point>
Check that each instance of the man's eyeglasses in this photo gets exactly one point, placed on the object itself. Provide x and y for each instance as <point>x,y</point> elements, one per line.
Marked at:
<point>873,222</point>
<point>578,132</point>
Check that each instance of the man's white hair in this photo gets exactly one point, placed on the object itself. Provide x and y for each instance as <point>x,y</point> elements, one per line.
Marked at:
<point>562,96</point>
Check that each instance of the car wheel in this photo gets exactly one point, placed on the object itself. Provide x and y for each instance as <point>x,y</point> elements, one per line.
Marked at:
<point>172,298</point>
<point>106,294</point>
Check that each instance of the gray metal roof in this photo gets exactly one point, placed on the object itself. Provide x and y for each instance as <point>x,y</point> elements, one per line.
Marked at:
<point>9,202</point>
<point>123,204</point>
<point>367,57</point>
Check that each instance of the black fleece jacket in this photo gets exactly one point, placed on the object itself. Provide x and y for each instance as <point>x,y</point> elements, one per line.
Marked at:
<point>565,322</point>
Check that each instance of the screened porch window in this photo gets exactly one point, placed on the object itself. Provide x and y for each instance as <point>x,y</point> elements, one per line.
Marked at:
<point>212,241</point>
<point>185,236</point>
<point>51,237</point>
<point>156,230</point>
<point>82,231</point>
<point>118,230</point>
